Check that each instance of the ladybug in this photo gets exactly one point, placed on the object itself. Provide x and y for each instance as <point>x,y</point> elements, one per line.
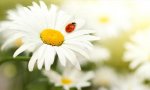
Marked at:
<point>70,27</point>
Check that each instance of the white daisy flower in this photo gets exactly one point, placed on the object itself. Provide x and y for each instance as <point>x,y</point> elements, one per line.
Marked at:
<point>5,35</point>
<point>138,50</point>
<point>108,17</point>
<point>8,31</point>
<point>70,78</point>
<point>49,32</point>
<point>105,78</point>
<point>127,82</point>
<point>131,82</point>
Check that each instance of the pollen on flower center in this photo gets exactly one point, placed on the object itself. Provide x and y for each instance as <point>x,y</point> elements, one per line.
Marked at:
<point>66,81</point>
<point>52,37</point>
<point>104,19</point>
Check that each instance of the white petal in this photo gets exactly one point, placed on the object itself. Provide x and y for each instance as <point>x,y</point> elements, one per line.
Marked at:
<point>53,14</point>
<point>53,76</point>
<point>79,33</point>
<point>35,5</point>
<point>69,68</point>
<point>85,38</point>
<point>47,59</point>
<point>40,63</point>
<point>23,48</point>
<point>4,26</point>
<point>78,66</point>
<point>71,57</point>
<point>85,44</point>
<point>39,20</point>
<point>32,61</point>
<point>88,76</point>
<point>78,50</point>
<point>10,40</point>
<point>62,20</point>
<point>135,63</point>
<point>66,87</point>
<point>43,6</point>
<point>61,56</point>
<point>79,23</point>
<point>143,71</point>
<point>41,55</point>
<point>50,57</point>
<point>83,84</point>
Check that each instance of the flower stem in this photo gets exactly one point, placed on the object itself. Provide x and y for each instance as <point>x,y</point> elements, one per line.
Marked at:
<point>9,59</point>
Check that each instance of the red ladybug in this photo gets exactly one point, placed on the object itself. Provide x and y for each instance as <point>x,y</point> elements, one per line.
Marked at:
<point>70,27</point>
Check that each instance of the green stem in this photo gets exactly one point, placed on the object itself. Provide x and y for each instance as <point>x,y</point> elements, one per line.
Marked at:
<point>14,59</point>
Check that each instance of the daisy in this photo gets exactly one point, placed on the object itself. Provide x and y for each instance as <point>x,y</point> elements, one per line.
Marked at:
<point>105,78</point>
<point>7,32</point>
<point>69,80</point>
<point>5,35</point>
<point>138,50</point>
<point>49,32</point>
<point>102,15</point>
<point>131,82</point>
<point>127,82</point>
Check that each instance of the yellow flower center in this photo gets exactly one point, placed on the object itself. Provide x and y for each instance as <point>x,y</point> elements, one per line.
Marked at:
<point>104,19</point>
<point>52,37</point>
<point>18,42</point>
<point>66,81</point>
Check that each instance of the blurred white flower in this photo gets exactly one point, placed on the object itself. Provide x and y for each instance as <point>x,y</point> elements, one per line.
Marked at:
<point>127,82</point>
<point>131,82</point>
<point>48,31</point>
<point>99,54</point>
<point>70,78</point>
<point>5,35</point>
<point>105,78</point>
<point>108,17</point>
<point>138,50</point>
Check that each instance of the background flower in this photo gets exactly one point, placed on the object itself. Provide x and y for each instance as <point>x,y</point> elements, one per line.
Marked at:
<point>138,49</point>
<point>105,77</point>
<point>68,80</point>
<point>131,82</point>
